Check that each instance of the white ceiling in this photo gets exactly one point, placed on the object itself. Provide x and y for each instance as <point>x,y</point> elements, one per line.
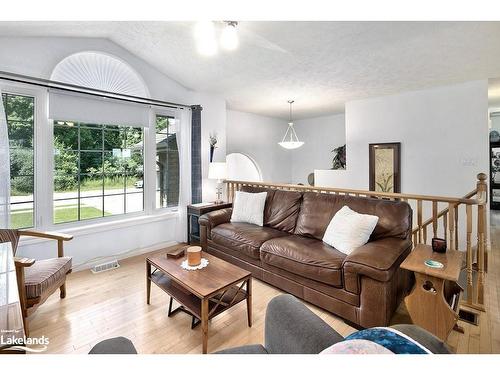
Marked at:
<point>321,65</point>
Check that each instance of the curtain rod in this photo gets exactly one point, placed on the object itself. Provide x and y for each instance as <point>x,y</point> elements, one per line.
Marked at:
<point>13,77</point>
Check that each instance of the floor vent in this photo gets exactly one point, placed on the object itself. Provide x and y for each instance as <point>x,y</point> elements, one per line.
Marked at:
<point>105,266</point>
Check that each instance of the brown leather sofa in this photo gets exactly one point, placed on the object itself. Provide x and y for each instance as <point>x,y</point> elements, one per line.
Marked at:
<point>364,287</point>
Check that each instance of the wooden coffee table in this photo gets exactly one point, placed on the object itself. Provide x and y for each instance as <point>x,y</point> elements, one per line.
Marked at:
<point>203,293</point>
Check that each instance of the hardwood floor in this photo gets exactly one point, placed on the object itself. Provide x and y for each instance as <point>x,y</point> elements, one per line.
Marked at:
<point>114,304</point>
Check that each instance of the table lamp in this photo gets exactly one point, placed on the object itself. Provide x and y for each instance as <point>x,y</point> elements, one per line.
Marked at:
<point>217,171</point>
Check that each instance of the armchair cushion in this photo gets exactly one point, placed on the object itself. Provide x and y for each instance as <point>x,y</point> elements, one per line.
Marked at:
<point>378,259</point>
<point>44,274</point>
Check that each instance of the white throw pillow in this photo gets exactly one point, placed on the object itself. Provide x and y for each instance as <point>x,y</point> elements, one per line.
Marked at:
<point>349,230</point>
<point>249,207</point>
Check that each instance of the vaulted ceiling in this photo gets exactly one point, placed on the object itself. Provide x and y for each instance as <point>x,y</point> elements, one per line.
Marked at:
<point>321,65</point>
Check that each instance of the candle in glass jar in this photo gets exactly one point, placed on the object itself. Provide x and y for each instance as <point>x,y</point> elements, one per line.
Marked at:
<point>194,255</point>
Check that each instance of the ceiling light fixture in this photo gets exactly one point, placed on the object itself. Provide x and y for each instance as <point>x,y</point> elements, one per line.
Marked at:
<point>290,140</point>
<point>206,37</point>
<point>206,41</point>
<point>229,36</point>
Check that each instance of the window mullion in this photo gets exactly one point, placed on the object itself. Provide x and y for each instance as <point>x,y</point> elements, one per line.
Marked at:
<point>149,151</point>
<point>43,165</point>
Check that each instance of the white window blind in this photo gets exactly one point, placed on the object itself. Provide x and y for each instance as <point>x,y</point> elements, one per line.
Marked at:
<point>96,110</point>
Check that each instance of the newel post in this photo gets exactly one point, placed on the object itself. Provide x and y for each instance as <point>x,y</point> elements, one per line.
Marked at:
<point>482,194</point>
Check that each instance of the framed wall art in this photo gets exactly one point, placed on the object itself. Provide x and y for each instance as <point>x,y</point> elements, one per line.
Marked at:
<point>384,161</point>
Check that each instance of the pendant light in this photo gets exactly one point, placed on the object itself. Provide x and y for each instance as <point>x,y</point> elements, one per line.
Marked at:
<point>290,140</point>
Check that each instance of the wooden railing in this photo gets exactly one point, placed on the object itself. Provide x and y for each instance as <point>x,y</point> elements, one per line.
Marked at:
<point>450,218</point>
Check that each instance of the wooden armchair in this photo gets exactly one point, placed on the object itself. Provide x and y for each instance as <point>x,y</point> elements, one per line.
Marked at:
<point>38,279</point>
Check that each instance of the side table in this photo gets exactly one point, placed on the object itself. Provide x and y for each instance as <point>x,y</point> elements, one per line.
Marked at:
<point>194,211</point>
<point>434,300</point>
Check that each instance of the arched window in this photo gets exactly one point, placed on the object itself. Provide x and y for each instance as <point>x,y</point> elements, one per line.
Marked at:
<point>98,143</point>
<point>241,167</point>
<point>100,71</point>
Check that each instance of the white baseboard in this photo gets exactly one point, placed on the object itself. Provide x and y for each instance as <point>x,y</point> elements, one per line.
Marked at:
<point>128,254</point>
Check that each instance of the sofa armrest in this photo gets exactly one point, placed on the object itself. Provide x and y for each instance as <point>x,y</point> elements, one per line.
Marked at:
<point>378,259</point>
<point>291,328</point>
<point>214,218</point>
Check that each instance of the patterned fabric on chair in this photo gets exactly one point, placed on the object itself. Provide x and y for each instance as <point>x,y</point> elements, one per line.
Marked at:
<point>43,275</point>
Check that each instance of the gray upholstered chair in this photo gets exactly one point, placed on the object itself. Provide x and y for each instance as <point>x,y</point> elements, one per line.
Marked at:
<point>115,345</point>
<point>38,279</point>
<point>291,328</point>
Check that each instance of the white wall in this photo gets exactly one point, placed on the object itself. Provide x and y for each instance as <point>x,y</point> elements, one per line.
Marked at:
<point>37,57</point>
<point>321,135</point>
<point>258,137</point>
<point>443,134</point>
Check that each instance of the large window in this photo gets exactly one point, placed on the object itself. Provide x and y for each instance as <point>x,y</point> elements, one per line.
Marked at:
<point>167,162</point>
<point>98,170</point>
<point>20,114</point>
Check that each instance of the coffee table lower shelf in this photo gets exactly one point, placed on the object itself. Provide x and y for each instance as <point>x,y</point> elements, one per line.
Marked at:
<point>191,302</point>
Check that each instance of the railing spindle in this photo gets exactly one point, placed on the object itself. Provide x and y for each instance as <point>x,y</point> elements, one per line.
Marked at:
<point>457,245</point>
<point>419,220</point>
<point>434,218</point>
<point>482,192</point>
<point>445,227</point>
<point>451,223</point>
<point>468,213</point>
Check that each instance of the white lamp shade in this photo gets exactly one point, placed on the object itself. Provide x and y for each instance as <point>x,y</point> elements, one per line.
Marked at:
<point>217,171</point>
<point>290,145</point>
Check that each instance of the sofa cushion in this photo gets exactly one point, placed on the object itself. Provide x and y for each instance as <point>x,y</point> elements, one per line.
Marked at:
<point>349,230</point>
<point>284,210</point>
<point>306,257</point>
<point>244,237</point>
<point>45,274</point>
<point>318,209</point>
<point>269,198</point>
<point>282,207</point>
<point>249,208</point>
